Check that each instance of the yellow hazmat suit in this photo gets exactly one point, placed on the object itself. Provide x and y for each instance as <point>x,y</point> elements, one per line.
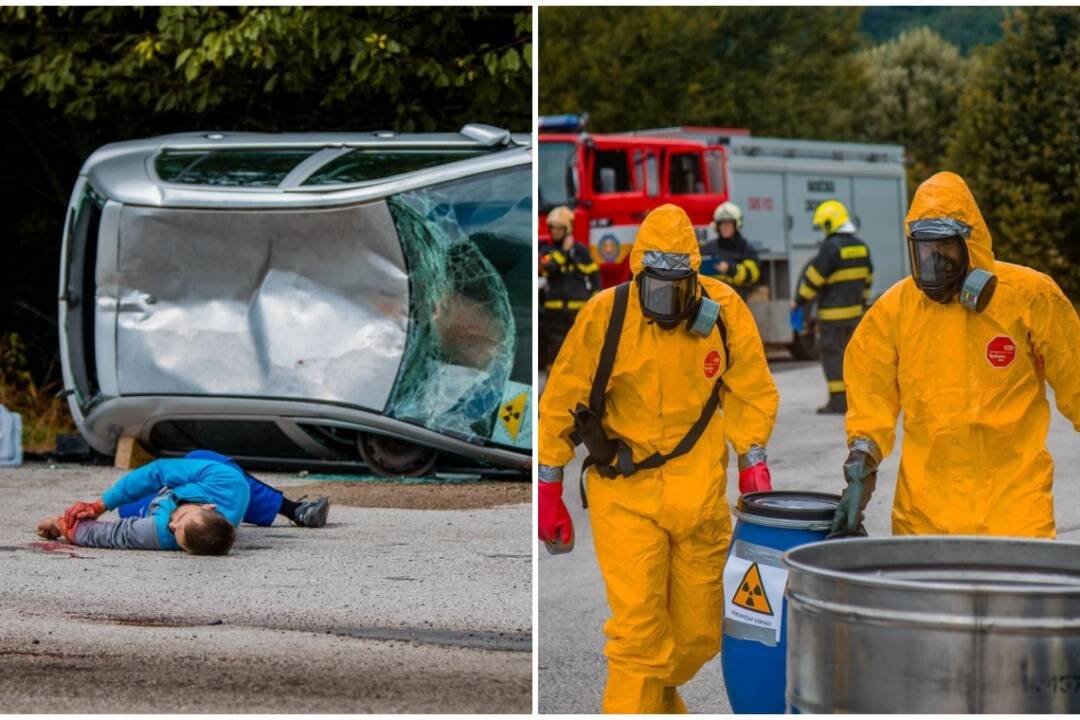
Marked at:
<point>971,386</point>
<point>661,535</point>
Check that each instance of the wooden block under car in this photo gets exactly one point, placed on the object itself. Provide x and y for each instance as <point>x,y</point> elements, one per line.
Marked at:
<point>130,454</point>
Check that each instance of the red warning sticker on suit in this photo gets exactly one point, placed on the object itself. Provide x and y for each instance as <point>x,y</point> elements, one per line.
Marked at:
<point>1001,351</point>
<point>712,364</point>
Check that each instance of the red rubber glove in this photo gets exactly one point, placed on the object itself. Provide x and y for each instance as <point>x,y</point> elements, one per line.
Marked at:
<point>556,526</point>
<point>755,478</point>
<point>82,511</point>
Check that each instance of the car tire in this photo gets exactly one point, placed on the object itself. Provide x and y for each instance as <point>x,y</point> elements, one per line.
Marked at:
<point>390,457</point>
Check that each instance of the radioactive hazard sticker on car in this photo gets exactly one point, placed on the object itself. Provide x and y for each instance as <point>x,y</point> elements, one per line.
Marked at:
<point>754,596</point>
<point>514,427</point>
<point>1001,351</point>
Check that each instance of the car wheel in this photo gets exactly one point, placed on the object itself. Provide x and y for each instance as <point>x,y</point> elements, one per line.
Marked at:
<point>390,457</point>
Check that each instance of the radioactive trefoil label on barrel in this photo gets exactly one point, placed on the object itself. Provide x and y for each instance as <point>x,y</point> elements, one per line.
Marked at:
<point>754,594</point>
<point>513,426</point>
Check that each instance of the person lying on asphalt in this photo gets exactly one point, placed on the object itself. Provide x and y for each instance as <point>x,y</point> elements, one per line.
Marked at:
<point>192,504</point>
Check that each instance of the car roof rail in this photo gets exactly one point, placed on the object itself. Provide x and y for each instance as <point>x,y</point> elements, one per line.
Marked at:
<point>488,135</point>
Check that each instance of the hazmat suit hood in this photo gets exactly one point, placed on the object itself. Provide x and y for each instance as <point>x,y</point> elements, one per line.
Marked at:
<point>666,229</point>
<point>946,195</point>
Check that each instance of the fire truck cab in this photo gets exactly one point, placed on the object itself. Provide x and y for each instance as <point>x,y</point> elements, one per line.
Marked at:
<point>612,181</point>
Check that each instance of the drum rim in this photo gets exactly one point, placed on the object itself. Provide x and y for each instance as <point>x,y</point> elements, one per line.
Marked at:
<point>746,510</point>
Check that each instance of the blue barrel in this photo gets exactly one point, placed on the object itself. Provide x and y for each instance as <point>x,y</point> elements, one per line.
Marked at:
<point>755,625</point>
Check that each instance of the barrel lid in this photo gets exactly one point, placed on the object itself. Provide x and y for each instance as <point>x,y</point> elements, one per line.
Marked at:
<point>789,505</point>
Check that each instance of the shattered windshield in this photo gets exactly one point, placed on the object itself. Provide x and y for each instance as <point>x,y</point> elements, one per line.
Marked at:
<point>467,244</point>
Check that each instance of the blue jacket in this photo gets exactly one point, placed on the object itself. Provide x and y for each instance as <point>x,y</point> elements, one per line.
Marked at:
<point>176,481</point>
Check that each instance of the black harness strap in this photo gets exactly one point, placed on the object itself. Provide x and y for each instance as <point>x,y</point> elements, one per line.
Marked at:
<point>624,463</point>
<point>607,353</point>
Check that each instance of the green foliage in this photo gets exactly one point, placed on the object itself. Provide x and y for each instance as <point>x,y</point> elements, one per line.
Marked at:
<point>964,26</point>
<point>411,68</point>
<point>44,415</point>
<point>914,90</point>
<point>786,71</point>
<point>1018,142</point>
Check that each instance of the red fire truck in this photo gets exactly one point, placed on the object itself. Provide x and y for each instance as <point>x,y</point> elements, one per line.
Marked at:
<point>612,181</point>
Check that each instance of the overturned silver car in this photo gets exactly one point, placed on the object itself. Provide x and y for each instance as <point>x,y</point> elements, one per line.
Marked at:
<point>309,299</point>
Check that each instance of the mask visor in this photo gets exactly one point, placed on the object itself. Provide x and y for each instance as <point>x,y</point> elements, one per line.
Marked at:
<point>937,248</point>
<point>666,298</point>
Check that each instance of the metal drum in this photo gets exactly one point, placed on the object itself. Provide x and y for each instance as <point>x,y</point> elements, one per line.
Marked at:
<point>934,625</point>
<point>755,630</point>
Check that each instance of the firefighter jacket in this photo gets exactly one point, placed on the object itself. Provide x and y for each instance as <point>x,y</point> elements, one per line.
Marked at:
<point>572,277</point>
<point>839,278</point>
<point>743,270</point>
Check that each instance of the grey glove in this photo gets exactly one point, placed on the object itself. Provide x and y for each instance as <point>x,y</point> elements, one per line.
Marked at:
<point>860,472</point>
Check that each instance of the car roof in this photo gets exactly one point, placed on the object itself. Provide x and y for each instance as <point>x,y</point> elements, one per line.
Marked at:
<point>125,171</point>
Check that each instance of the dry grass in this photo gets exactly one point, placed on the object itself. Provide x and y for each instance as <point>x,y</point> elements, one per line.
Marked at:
<point>44,415</point>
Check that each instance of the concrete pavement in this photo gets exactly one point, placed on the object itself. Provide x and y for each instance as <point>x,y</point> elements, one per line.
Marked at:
<point>805,453</point>
<point>384,610</point>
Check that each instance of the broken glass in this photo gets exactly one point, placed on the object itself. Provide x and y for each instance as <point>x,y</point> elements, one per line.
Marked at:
<point>467,248</point>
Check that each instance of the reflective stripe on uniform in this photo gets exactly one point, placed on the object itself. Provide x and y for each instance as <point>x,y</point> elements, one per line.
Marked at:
<point>588,268</point>
<point>564,304</point>
<point>807,292</point>
<point>840,313</point>
<point>814,276</point>
<point>853,251</point>
<point>836,386</point>
<point>755,271</point>
<point>855,273</point>
<point>740,275</point>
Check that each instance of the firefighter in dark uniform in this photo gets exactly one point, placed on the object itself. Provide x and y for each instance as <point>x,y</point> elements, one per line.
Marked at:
<point>732,259</point>
<point>571,277</point>
<point>839,278</point>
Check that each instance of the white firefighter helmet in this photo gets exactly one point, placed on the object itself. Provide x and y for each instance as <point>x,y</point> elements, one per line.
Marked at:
<point>728,211</point>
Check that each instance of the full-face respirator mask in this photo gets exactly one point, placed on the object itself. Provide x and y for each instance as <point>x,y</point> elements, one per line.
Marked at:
<point>941,264</point>
<point>670,294</point>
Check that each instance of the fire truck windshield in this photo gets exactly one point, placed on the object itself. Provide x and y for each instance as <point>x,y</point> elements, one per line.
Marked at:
<point>556,159</point>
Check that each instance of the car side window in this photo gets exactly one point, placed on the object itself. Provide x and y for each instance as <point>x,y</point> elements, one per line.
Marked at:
<point>229,168</point>
<point>365,164</point>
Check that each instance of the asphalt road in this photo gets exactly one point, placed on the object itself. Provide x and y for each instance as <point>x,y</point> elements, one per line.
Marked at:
<point>805,453</point>
<point>384,610</point>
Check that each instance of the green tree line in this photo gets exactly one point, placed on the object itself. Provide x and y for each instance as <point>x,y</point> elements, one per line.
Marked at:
<point>73,79</point>
<point>1006,116</point>
<point>966,26</point>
